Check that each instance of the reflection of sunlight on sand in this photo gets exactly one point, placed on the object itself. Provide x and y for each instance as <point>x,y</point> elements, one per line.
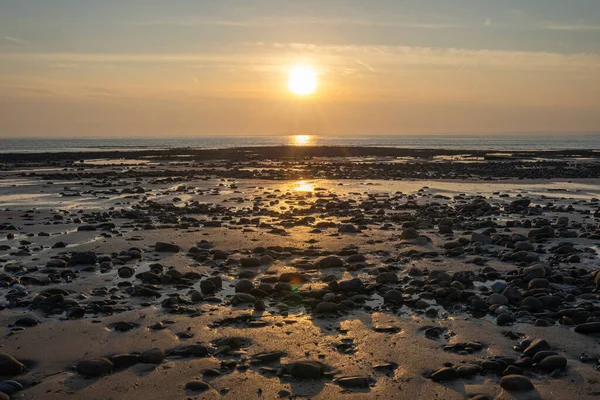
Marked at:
<point>304,186</point>
<point>302,140</point>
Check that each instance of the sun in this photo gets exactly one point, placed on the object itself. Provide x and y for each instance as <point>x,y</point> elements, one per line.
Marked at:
<point>302,80</point>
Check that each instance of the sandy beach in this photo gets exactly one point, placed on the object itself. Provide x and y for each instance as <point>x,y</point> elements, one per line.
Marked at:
<point>363,277</point>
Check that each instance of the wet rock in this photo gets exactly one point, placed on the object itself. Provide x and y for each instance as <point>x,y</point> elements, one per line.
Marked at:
<point>166,247</point>
<point>393,296</point>
<point>535,346</point>
<point>516,383</point>
<point>445,374</point>
<point>244,286</point>
<point>330,262</point>
<point>9,388</point>
<point>326,307</point>
<point>126,272</point>
<point>95,367</point>
<point>307,369</point>
<point>588,328</point>
<point>409,233</point>
<point>9,365</point>
<point>354,381</point>
<point>248,262</point>
<point>27,322</point>
<point>152,356</point>
<point>197,386</point>
<point>83,257</point>
<point>552,363</point>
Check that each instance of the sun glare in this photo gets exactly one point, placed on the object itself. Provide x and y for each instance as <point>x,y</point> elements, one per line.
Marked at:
<point>302,140</point>
<point>302,80</point>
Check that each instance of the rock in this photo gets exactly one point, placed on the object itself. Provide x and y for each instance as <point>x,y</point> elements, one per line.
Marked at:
<point>504,319</point>
<point>347,228</point>
<point>588,328</point>
<point>551,363</point>
<point>326,307</point>
<point>27,322</point>
<point>532,303</point>
<point>9,388</point>
<point>351,285</point>
<point>196,297</point>
<point>166,247</point>
<point>516,383</point>
<point>481,238</point>
<point>497,299</point>
<point>56,263</point>
<point>248,262</point>
<point>268,357</point>
<point>126,272</point>
<point>444,375</point>
<point>539,283</point>
<point>354,381</point>
<point>9,365</point>
<point>95,367</point>
<point>197,386</point>
<point>409,233</point>
<point>387,278</point>
<point>393,296</point>
<point>241,298</point>
<point>152,356</point>
<point>535,346</point>
<point>307,369</point>
<point>122,361</point>
<point>207,287</point>
<point>83,257</point>
<point>330,262</point>
<point>244,286</point>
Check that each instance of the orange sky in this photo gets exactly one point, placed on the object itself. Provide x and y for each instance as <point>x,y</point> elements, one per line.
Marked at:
<point>202,68</point>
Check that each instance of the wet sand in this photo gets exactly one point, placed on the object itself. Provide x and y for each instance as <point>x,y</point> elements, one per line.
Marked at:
<point>252,285</point>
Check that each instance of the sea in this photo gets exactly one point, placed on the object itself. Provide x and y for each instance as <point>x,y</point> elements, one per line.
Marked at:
<point>498,142</point>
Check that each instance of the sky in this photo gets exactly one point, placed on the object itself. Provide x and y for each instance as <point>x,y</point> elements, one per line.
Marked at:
<point>123,68</point>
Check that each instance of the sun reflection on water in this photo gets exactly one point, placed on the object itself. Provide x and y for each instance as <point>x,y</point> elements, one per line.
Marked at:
<point>302,140</point>
<point>304,186</point>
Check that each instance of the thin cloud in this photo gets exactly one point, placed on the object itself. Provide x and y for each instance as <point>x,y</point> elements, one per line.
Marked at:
<point>575,28</point>
<point>14,40</point>
<point>261,22</point>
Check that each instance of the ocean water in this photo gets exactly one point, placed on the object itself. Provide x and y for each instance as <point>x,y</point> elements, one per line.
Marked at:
<point>589,141</point>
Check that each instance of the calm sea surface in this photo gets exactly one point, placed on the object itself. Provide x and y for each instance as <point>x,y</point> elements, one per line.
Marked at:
<point>459,142</point>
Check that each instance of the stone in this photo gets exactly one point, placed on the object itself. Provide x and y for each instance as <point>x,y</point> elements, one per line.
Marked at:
<point>152,356</point>
<point>244,286</point>
<point>330,262</point>
<point>326,307</point>
<point>497,299</point>
<point>393,296</point>
<point>354,381</point>
<point>9,365</point>
<point>551,363</point>
<point>95,367</point>
<point>307,369</point>
<point>83,257</point>
<point>197,386</point>
<point>444,375</point>
<point>166,247</point>
<point>588,328</point>
<point>535,346</point>
<point>387,278</point>
<point>516,383</point>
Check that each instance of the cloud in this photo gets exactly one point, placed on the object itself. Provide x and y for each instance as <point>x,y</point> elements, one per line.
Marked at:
<point>14,40</point>
<point>437,57</point>
<point>576,28</point>
<point>261,22</point>
<point>262,56</point>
